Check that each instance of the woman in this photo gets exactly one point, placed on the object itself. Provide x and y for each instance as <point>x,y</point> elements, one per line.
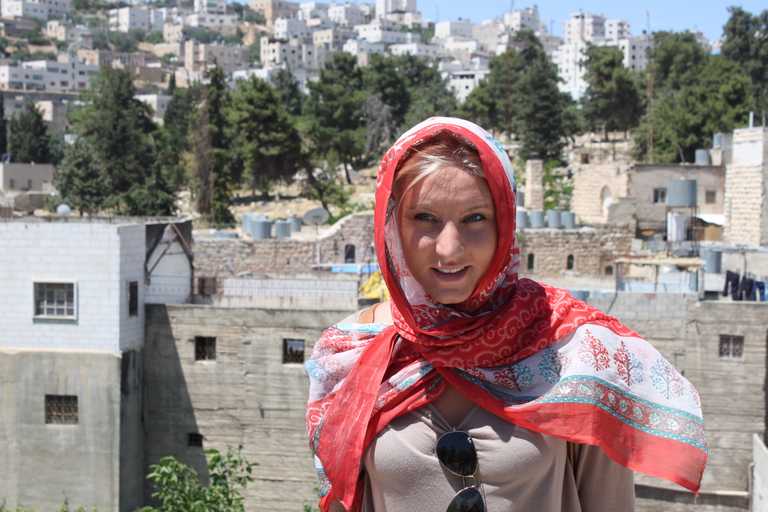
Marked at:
<point>474,390</point>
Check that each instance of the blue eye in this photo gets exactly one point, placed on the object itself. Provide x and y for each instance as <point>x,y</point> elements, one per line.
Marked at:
<point>475,217</point>
<point>422,217</point>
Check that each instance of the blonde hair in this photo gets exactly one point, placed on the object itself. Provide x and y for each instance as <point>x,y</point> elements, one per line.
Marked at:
<point>443,149</point>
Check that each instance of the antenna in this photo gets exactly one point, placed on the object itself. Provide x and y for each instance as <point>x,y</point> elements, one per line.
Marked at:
<point>315,216</point>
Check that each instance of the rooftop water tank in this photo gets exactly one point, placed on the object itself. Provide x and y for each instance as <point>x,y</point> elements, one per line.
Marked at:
<point>283,229</point>
<point>702,157</point>
<point>522,219</point>
<point>568,219</point>
<point>681,193</point>
<point>537,219</point>
<point>553,219</point>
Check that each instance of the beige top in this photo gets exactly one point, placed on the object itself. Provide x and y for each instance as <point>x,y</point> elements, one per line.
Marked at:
<point>518,469</point>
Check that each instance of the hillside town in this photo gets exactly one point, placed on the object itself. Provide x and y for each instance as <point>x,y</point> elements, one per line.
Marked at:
<point>186,196</point>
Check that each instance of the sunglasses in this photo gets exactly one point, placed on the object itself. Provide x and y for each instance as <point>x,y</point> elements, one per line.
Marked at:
<point>456,452</point>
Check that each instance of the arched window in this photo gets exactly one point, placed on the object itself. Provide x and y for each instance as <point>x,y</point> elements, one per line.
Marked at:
<point>569,262</point>
<point>530,261</point>
<point>606,198</point>
<point>349,253</point>
<point>609,270</point>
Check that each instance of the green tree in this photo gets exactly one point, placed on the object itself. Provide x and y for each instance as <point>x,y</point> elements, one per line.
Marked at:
<point>155,37</point>
<point>3,128</point>
<point>746,43</point>
<point>676,60</point>
<point>28,139</point>
<point>80,180</point>
<point>178,485</point>
<point>612,99</point>
<point>428,90</point>
<point>290,93</point>
<point>332,113</point>
<point>382,76</point>
<point>267,140</point>
<point>123,41</point>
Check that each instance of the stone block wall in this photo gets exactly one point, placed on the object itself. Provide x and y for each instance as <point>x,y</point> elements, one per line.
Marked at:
<point>592,184</point>
<point>534,186</point>
<point>246,395</point>
<point>745,205</point>
<point>218,257</point>
<point>593,249</point>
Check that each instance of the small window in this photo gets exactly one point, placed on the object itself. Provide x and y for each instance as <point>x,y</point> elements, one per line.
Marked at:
<point>731,346</point>
<point>205,348</point>
<point>133,298</point>
<point>710,196</point>
<point>29,184</point>
<point>349,253</point>
<point>530,261</point>
<point>194,439</point>
<point>659,195</point>
<point>61,409</point>
<point>12,184</point>
<point>609,270</point>
<point>569,262</point>
<point>293,351</point>
<point>55,300</point>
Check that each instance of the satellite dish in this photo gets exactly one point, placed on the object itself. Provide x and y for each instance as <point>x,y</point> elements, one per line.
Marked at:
<point>315,216</point>
<point>63,210</point>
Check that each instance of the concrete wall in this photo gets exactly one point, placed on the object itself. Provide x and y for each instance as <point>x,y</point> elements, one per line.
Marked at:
<point>42,465</point>
<point>589,185</point>
<point>246,396</point>
<point>220,256</point>
<point>745,205</point>
<point>760,474</point>
<point>22,174</point>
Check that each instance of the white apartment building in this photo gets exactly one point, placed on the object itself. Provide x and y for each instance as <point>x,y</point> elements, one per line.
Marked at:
<point>45,75</point>
<point>488,32</point>
<point>129,18</point>
<point>465,50</point>
<point>634,48</point>
<point>380,31</point>
<point>407,18</point>
<point>310,10</point>
<point>569,58</point>
<point>430,51</point>
<point>274,9</point>
<point>446,29</point>
<point>39,9</point>
<point>584,27</point>
<point>288,28</point>
<point>385,7</point>
<point>525,19</point>
<point>211,6</point>
<point>170,14</point>
<point>158,103</point>
<point>176,32</point>
<point>224,23</point>
<point>358,46</point>
<point>464,76</point>
<point>347,15</point>
<point>616,29</point>
<point>315,24</point>
<point>294,53</point>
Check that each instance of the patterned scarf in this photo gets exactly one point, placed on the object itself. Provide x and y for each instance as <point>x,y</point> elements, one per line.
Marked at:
<point>527,352</point>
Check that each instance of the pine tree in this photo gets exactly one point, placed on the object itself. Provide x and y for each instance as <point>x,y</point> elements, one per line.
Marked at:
<point>266,137</point>
<point>28,140</point>
<point>80,179</point>
<point>287,87</point>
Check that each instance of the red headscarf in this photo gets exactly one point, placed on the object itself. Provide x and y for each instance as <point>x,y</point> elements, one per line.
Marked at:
<point>526,352</point>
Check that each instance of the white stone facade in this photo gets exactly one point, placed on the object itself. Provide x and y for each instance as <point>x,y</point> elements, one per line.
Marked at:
<point>288,28</point>
<point>378,32</point>
<point>43,75</point>
<point>129,18</point>
<point>461,28</point>
<point>40,9</point>
<point>745,204</point>
<point>347,15</point>
<point>419,49</point>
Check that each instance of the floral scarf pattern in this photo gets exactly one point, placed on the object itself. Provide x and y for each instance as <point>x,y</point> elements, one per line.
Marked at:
<point>527,352</point>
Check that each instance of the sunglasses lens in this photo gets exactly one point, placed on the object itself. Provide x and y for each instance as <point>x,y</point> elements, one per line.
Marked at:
<point>467,500</point>
<point>456,452</point>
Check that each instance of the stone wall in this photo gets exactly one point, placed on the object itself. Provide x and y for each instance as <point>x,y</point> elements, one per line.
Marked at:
<point>218,257</point>
<point>246,396</point>
<point>593,249</point>
<point>745,205</point>
<point>534,186</point>
<point>592,184</point>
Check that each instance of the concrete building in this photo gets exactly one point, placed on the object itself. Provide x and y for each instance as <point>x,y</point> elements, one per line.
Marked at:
<point>381,31</point>
<point>745,203</point>
<point>64,31</point>
<point>386,7</point>
<point>176,32</point>
<point>211,6</point>
<point>71,358</point>
<point>464,76</point>
<point>310,10</point>
<point>460,28</point>
<point>488,32</point>
<point>288,28</point>
<point>274,9</point>
<point>294,53</point>
<point>125,19</point>
<point>39,9</point>
<point>525,19</point>
<point>199,56</point>
<point>569,58</point>
<point>158,103</point>
<point>25,177</point>
<point>584,27</point>
<point>224,23</point>
<point>429,51</point>
<point>359,48</point>
<point>635,49</point>
<point>465,50</point>
<point>68,74</point>
<point>333,39</point>
<point>346,15</point>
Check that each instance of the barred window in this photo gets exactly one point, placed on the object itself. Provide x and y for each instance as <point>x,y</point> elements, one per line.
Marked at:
<point>194,439</point>
<point>61,409</point>
<point>55,300</point>
<point>293,351</point>
<point>731,346</point>
<point>530,261</point>
<point>659,195</point>
<point>569,262</point>
<point>205,348</point>
<point>133,298</point>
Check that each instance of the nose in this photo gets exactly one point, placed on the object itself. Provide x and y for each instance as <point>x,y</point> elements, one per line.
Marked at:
<point>449,244</point>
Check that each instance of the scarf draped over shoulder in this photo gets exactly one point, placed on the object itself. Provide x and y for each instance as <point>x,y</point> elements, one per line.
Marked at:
<point>525,351</point>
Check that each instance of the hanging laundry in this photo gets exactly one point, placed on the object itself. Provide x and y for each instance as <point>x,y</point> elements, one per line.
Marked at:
<point>732,281</point>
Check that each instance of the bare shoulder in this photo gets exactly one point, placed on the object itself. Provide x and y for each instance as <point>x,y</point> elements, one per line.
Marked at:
<point>383,313</point>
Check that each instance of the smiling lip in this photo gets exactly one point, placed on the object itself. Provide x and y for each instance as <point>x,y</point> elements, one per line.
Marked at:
<point>451,274</point>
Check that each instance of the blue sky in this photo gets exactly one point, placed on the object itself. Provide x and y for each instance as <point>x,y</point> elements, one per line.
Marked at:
<point>708,16</point>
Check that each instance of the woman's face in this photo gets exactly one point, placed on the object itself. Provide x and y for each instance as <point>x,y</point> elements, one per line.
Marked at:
<point>448,233</point>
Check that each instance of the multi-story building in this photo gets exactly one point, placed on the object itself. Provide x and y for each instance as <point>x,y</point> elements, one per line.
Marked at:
<point>463,77</point>
<point>525,19</point>
<point>211,6</point>
<point>386,7</point>
<point>64,31</point>
<point>460,28</point>
<point>176,32</point>
<point>296,53</point>
<point>333,39</point>
<point>274,9</point>
<point>346,15</point>
<point>71,356</point>
<point>465,49</point>
<point>25,177</point>
<point>616,30</point>
<point>569,58</point>
<point>635,50</point>
<point>359,47</point>
<point>44,75</point>
<point>158,103</point>
<point>287,28</point>
<point>126,19</point>
<point>199,56</point>
<point>430,51</point>
<point>40,9</point>
<point>382,31</point>
<point>584,27</point>
<point>312,10</point>
<point>116,59</point>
